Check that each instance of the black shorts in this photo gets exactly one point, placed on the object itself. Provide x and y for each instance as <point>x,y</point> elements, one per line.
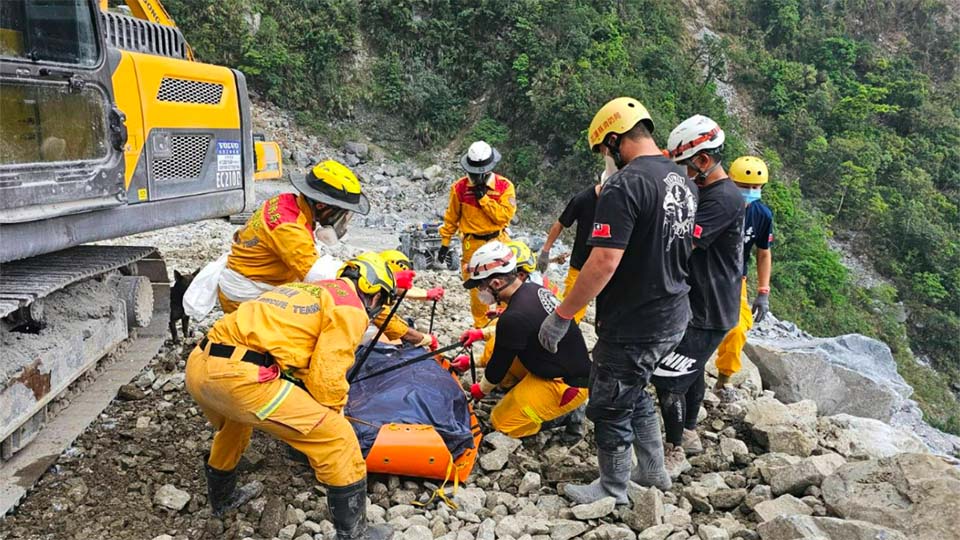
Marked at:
<point>679,370</point>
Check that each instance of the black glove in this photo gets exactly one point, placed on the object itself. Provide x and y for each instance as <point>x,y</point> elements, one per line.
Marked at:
<point>480,190</point>
<point>443,254</point>
<point>761,306</point>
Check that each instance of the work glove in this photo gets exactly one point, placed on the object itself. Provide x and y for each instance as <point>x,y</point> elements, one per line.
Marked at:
<point>761,306</point>
<point>543,260</point>
<point>552,330</point>
<point>461,363</point>
<point>429,341</point>
<point>435,293</point>
<point>471,336</point>
<point>476,392</point>
<point>404,279</point>
<point>443,254</point>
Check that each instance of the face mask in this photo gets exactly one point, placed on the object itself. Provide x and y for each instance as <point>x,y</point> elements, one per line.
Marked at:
<point>486,297</point>
<point>750,194</point>
<point>477,179</point>
<point>610,167</point>
<point>326,235</point>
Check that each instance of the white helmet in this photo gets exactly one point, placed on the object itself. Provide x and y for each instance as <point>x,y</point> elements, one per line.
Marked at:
<point>692,136</point>
<point>480,158</point>
<point>492,258</point>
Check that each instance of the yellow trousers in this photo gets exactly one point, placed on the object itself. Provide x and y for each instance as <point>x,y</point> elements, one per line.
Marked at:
<point>532,402</point>
<point>568,282</point>
<point>238,396</point>
<point>728,353</point>
<point>514,374</point>
<point>477,308</point>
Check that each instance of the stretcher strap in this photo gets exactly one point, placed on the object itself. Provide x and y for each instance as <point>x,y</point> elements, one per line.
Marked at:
<point>454,469</point>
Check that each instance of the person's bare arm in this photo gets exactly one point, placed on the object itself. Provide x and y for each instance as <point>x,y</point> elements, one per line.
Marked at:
<point>764,265</point>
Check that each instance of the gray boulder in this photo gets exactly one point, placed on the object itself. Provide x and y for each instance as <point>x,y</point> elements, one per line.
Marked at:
<point>789,429</point>
<point>852,436</point>
<point>784,505</point>
<point>796,478</point>
<point>359,149</point>
<point>802,527</point>
<point>915,494</point>
<point>850,374</point>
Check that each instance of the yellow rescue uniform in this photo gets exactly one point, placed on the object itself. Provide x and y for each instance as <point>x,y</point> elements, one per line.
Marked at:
<point>311,332</point>
<point>533,401</point>
<point>275,246</point>
<point>479,221</point>
<point>728,353</point>
<point>568,282</point>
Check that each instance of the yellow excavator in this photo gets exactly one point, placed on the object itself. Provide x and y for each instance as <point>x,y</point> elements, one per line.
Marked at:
<point>108,127</point>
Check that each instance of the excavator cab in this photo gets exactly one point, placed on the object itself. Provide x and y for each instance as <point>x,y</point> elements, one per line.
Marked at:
<point>61,149</point>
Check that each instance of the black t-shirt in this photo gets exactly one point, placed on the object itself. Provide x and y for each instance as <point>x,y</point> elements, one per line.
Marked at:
<point>717,256</point>
<point>517,331</point>
<point>757,230</point>
<point>580,209</point>
<point>647,209</point>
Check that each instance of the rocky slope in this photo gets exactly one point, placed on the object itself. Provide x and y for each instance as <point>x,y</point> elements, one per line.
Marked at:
<point>810,466</point>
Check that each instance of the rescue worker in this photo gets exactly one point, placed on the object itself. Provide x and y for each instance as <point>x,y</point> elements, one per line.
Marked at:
<point>278,363</point>
<point>750,174</point>
<point>278,244</point>
<point>481,205</point>
<point>397,328</point>
<point>526,271</point>
<point>555,383</point>
<point>579,210</point>
<point>642,237</point>
<point>714,280</point>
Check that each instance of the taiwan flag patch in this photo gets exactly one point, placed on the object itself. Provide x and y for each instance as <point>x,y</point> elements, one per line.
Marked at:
<point>697,231</point>
<point>601,230</point>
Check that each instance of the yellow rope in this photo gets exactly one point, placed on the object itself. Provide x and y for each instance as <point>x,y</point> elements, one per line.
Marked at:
<point>439,492</point>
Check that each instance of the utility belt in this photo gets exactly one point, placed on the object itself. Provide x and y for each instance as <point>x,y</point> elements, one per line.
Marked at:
<point>488,236</point>
<point>226,351</point>
<point>577,382</point>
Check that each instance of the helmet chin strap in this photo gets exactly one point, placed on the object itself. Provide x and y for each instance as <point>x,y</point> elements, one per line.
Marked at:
<point>702,175</point>
<point>613,145</point>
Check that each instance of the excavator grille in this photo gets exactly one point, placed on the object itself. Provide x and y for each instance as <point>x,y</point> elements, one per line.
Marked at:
<point>187,91</point>
<point>187,157</point>
<point>132,34</point>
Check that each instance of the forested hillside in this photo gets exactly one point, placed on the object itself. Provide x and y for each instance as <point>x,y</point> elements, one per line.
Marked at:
<point>854,104</point>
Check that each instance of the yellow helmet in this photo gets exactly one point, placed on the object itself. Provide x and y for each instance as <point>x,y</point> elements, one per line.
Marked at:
<point>749,170</point>
<point>332,183</point>
<point>372,275</point>
<point>617,116</point>
<point>521,252</point>
<point>396,260</point>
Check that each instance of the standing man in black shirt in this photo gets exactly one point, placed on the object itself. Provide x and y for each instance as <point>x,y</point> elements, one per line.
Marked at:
<point>580,209</point>
<point>555,383</point>
<point>642,237</point>
<point>714,279</point>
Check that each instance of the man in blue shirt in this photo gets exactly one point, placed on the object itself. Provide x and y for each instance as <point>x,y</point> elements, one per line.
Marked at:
<point>750,174</point>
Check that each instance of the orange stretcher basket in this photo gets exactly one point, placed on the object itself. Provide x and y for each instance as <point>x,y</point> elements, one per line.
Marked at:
<point>417,450</point>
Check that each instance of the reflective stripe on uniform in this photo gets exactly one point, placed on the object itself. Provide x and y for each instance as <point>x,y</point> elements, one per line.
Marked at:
<point>264,412</point>
<point>531,413</point>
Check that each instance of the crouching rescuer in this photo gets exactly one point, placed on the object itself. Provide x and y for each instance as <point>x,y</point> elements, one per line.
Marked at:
<point>553,389</point>
<point>278,364</point>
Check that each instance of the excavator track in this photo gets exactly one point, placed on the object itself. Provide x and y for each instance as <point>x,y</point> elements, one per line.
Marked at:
<point>25,281</point>
<point>62,314</point>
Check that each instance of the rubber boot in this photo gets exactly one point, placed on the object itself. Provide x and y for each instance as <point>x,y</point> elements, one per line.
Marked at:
<point>614,477</point>
<point>648,446</point>
<point>348,506</point>
<point>574,430</point>
<point>222,490</point>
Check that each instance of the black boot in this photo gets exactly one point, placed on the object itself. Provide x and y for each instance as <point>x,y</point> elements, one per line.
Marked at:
<point>348,506</point>
<point>222,490</point>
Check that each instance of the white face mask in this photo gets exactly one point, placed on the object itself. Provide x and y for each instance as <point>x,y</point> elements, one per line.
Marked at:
<point>326,235</point>
<point>610,167</point>
<point>486,297</point>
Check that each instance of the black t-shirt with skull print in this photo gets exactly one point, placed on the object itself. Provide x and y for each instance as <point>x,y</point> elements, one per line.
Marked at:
<point>647,209</point>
